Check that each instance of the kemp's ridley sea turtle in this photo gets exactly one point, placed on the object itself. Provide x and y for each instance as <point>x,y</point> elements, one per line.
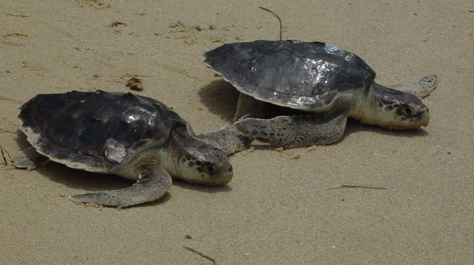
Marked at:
<point>131,136</point>
<point>326,83</point>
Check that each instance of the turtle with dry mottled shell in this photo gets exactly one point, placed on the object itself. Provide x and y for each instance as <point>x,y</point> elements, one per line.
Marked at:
<point>326,84</point>
<point>131,136</point>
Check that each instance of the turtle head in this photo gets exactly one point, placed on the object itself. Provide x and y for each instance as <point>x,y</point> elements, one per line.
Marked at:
<point>205,164</point>
<point>394,109</point>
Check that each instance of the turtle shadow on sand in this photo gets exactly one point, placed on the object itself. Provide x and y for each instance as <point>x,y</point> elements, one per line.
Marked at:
<point>354,126</point>
<point>201,188</point>
<point>220,98</point>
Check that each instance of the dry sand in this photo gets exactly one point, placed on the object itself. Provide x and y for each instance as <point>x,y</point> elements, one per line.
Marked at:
<point>279,208</point>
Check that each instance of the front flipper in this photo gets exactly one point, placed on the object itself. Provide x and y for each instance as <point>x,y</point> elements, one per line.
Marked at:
<point>152,184</point>
<point>295,131</point>
<point>422,88</point>
<point>228,138</point>
<point>29,159</point>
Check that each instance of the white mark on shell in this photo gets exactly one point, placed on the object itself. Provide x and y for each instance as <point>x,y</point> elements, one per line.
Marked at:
<point>115,151</point>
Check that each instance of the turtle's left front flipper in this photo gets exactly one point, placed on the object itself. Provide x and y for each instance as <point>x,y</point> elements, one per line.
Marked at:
<point>152,184</point>
<point>228,138</point>
<point>295,131</point>
<point>422,88</point>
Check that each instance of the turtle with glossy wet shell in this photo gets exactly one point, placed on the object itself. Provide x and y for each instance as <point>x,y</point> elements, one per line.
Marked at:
<point>131,136</point>
<point>326,84</point>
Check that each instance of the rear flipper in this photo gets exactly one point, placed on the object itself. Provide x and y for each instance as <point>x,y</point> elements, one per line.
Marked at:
<point>295,131</point>
<point>29,159</point>
<point>422,88</point>
<point>152,184</point>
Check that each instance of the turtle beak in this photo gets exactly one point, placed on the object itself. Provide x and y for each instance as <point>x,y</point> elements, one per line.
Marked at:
<point>425,121</point>
<point>425,117</point>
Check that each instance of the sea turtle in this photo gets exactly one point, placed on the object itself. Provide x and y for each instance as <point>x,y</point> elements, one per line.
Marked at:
<point>324,82</point>
<point>131,136</point>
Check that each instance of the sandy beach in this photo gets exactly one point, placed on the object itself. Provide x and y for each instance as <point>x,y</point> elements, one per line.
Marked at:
<point>282,207</point>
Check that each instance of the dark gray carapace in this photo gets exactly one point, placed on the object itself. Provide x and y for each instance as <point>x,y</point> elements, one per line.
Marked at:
<point>80,123</point>
<point>302,75</point>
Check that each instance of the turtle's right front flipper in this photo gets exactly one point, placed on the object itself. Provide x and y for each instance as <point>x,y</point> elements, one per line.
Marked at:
<point>152,184</point>
<point>295,131</point>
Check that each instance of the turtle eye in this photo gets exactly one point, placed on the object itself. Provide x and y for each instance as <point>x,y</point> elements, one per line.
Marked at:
<point>408,111</point>
<point>210,168</point>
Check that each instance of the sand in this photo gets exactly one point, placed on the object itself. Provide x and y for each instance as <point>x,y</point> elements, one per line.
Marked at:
<point>281,207</point>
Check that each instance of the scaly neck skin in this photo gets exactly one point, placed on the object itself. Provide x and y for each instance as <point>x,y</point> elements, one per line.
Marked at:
<point>178,142</point>
<point>362,104</point>
<point>378,106</point>
<point>372,109</point>
<point>154,156</point>
<point>165,156</point>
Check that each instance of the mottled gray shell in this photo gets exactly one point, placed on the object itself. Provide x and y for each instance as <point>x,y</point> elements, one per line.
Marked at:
<point>296,74</point>
<point>95,131</point>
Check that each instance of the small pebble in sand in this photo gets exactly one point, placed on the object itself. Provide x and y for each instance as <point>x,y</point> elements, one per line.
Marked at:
<point>135,83</point>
